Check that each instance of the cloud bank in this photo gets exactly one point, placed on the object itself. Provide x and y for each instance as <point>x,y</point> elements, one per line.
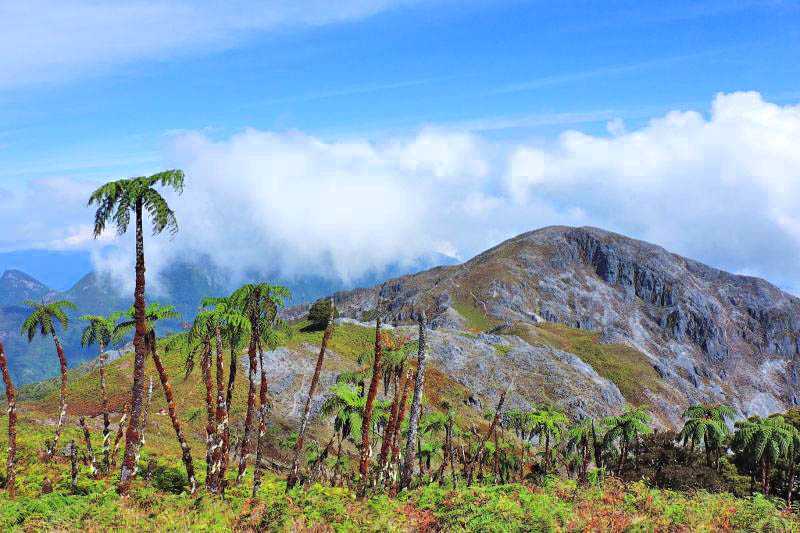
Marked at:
<point>722,187</point>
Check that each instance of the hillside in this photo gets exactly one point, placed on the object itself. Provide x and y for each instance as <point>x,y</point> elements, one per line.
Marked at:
<point>578,319</point>
<point>666,330</point>
<point>182,284</point>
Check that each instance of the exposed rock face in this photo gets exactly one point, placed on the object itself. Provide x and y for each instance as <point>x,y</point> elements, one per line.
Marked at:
<point>711,336</point>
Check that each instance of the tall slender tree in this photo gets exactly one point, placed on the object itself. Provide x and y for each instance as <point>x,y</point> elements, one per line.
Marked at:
<point>11,398</point>
<point>43,319</point>
<point>478,456</point>
<point>155,312</point>
<point>706,424</point>
<point>764,441</point>
<point>116,201</point>
<point>579,440</point>
<point>298,447</point>
<point>259,302</point>
<point>230,326</point>
<point>366,422</point>
<point>200,339</point>
<point>102,330</point>
<point>626,429</point>
<point>549,423</point>
<point>416,400</point>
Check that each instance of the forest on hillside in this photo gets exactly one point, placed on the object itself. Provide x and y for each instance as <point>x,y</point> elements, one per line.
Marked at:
<point>389,447</point>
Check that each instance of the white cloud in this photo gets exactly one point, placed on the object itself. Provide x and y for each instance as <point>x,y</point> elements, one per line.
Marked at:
<point>722,187</point>
<point>53,40</point>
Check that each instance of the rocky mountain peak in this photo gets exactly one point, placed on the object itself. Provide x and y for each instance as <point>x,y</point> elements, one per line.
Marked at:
<point>709,335</point>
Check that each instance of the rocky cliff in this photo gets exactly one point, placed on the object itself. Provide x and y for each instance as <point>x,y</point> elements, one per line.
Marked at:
<point>665,330</point>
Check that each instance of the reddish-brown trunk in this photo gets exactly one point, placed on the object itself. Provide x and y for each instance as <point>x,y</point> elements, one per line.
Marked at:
<point>11,463</point>
<point>298,447</point>
<point>388,433</point>
<point>478,458</point>
<point>416,402</point>
<point>221,415</point>
<point>62,415</point>
<point>401,415</point>
<point>262,424</point>
<point>251,396</point>
<point>104,404</point>
<point>205,364</point>
<point>186,452</point>
<point>87,437</point>
<point>368,406</point>
<point>132,436</point>
<point>120,431</point>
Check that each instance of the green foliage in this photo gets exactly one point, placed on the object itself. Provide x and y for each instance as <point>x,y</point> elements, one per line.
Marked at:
<point>319,314</point>
<point>44,317</point>
<point>117,199</point>
<point>477,319</point>
<point>626,367</point>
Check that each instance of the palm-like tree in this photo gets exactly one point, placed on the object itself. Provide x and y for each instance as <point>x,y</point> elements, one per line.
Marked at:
<point>431,425</point>
<point>43,320</point>
<point>230,327</point>
<point>706,424</point>
<point>200,339</point>
<point>260,303</point>
<point>298,448</point>
<point>764,441</point>
<point>345,404</point>
<point>549,424</point>
<point>116,201</point>
<point>416,399</point>
<point>155,312</point>
<point>394,364</point>
<point>370,401</point>
<point>478,456</point>
<point>579,441</point>
<point>102,330</point>
<point>626,430</point>
<point>11,462</point>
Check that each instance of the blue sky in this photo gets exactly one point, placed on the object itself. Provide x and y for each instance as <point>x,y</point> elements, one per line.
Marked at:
<point>91,91</point>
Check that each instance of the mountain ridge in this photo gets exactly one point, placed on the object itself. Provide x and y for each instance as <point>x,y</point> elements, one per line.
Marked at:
<point>711,336</point>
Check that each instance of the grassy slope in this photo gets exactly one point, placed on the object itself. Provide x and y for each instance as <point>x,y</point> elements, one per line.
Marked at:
<point>626,367</point>
<point>160,503</point>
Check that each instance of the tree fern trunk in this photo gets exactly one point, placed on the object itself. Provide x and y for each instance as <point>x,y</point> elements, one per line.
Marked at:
<point>140,355</point>
<point>11,464</point>
<point>366,424</point>
<point>87,437</point>
<point>62,415</point>
<point>205,364</point>
<point>221,415</point>
<point>251,399</point>
<point>388,433</point>
<point>298,447</point>
<point>262,425</point>
<point>186,452</point>
<point>104,403</point>
<point>413,421</point>
<point>123,421</point>
<point>478,458</point>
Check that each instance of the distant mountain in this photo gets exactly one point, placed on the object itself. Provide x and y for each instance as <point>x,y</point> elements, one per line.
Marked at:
<point>182,284</point>
<point>668,331</point>
<point>17,286</point>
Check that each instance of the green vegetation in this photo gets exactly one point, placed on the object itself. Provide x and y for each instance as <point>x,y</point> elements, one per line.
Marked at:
<point>320,313</point>
<point>370,463</point>
<point>626,367</point>
<point>477,320</point>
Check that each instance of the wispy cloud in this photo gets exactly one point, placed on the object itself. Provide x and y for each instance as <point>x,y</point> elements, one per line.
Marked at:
<point>57,40</point>
<point>603,72</point>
